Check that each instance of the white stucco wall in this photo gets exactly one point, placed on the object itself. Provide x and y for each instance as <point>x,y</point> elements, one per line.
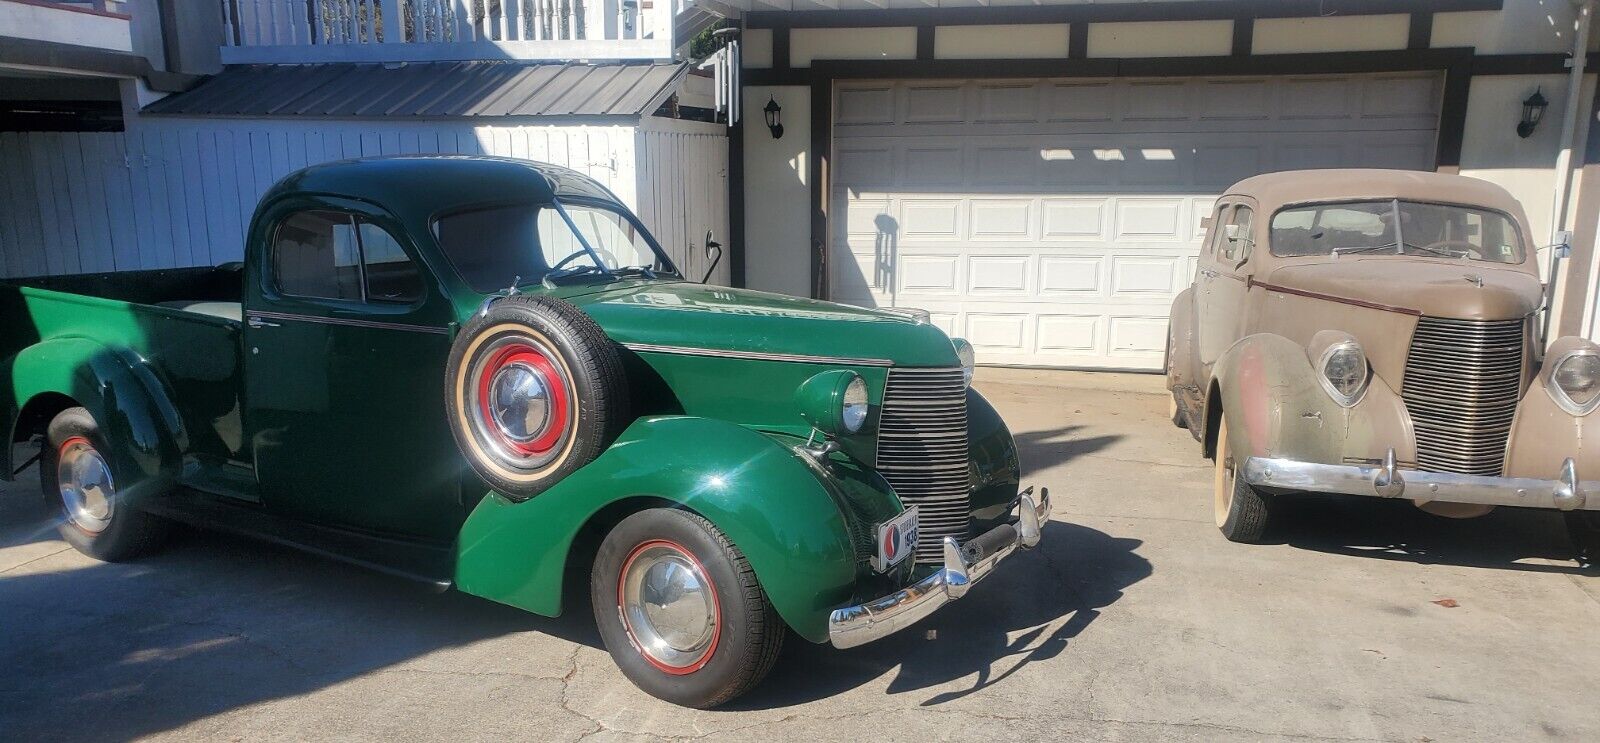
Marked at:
<point>62,26</point>
<point>807,44</point>
<point>755,45</point>
<point>1000,42</point>
<point>1161,39</point>
<point>1356,33</point>
<point>1521,27</point>
<point>777,193</point>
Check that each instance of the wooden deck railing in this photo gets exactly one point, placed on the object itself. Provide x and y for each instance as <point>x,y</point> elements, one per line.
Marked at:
<point>304,31</point>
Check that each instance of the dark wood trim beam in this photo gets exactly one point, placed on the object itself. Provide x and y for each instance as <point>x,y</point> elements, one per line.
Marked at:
<point>925,42</point>
<point>780,48</point>
<point>1420,34</point>
<point>1244,35</point>
<point>736,254</point>
<point>1260,64</point>
<point>1078,41</point>
<point>1171,10</point>
<point>1591,144</point>
<point>821,158</point>
<point>1453,114</point>
<point>1527,64</point>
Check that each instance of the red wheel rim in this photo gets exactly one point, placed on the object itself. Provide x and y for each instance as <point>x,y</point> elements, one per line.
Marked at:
<point>556,423</point>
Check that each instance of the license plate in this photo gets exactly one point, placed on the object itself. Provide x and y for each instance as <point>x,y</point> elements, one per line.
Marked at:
<point>897,540</point>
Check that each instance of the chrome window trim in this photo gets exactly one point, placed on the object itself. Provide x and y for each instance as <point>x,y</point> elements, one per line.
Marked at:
<point>1567,404</point>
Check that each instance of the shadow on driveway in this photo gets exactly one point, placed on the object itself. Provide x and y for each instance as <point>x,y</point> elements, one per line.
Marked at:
<point>1397,530</point>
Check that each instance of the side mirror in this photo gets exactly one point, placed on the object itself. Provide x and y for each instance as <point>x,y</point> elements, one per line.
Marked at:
<point>713,254</point>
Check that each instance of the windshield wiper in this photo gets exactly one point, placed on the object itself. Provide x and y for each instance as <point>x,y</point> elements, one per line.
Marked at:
<point>1364,249</point>
<point>644,271</point>
<point>574,272</point>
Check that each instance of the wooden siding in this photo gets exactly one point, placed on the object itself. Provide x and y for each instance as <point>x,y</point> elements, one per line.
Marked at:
<point>180,192</point>
<point>683,187</point>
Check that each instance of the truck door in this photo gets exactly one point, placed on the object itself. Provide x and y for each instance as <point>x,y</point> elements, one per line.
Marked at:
<point>1224,271</point>
<point>346,342</point>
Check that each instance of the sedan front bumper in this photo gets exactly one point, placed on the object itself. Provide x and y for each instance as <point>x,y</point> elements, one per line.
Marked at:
<point>1566,492</point>
<point>964,565</point>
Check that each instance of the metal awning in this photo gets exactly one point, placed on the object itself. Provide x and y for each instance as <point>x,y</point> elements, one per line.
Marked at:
<point>429,90</point>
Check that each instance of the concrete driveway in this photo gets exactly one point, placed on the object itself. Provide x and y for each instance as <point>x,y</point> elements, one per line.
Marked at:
<point>1133,621</point>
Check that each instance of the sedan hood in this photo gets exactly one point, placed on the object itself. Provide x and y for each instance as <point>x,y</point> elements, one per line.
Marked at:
<point>1466,291</point>
<point>714,318</point>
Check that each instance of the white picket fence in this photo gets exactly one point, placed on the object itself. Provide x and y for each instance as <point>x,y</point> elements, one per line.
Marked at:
<point>181,192</point>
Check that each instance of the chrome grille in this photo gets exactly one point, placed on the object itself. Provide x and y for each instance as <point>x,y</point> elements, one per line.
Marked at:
<point>1463,380</point>
<point>922,451</point>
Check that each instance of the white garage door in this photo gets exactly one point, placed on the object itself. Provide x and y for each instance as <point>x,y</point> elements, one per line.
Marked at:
<point>1051,222</point>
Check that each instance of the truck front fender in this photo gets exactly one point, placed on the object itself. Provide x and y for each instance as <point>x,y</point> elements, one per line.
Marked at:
<point>769,502</point>
<point>126,398</point>
<point>1275,406</point>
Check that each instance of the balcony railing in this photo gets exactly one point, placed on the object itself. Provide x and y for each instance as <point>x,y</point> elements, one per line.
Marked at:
<point>306,31</point>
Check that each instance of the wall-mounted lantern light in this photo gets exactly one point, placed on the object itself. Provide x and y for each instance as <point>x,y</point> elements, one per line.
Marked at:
<point>774,122</point>
<point>1532,112</point>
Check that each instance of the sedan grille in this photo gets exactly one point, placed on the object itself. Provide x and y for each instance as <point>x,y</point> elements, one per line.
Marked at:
<point>922,451</point>
<point>1463,380</point>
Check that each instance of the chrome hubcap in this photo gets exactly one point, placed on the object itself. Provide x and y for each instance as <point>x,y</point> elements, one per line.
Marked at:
<point>87,492</point>
<point>520,402</point>
<point>669,606</point>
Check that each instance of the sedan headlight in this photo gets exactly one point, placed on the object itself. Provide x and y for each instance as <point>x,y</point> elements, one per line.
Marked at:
<point>968,358</point>
<point>1575,382</point>
<point>834,402</point>
<point>1343,370</point>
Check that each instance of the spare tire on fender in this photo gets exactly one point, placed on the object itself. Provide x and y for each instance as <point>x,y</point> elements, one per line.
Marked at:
<point>534,390</point>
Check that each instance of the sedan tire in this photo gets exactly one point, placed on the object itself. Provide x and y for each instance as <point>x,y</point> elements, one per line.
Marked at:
<point>1242,513</point>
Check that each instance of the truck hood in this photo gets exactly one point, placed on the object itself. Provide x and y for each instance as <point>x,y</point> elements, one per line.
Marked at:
<point>1466,291</point>
<point>715,318</point>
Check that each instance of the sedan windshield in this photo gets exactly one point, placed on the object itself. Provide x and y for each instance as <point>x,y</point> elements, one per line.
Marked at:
<point>493,246</point>
<point>1393,227</point>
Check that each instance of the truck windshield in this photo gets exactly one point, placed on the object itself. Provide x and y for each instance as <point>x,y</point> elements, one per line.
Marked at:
<point>1394,227</point>
<point>492,246</point>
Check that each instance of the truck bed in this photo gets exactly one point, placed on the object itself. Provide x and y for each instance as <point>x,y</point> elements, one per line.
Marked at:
<point>182,323</point>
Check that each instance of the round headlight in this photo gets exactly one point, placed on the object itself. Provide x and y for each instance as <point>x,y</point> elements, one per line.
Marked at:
<point>1343,368</point>
<point>1576,382</point>
<point>853,414</point>
<point>834,402</point>
<point>968,358</point>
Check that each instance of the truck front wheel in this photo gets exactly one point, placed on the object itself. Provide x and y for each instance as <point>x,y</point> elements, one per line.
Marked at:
<point>77,474</point>
<point>680,610</point>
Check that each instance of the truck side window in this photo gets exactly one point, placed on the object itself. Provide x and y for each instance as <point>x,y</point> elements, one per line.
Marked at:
<point>1218,242</point>
<point>391,276</point>
<point>320,254</point>
<point>316,254</point>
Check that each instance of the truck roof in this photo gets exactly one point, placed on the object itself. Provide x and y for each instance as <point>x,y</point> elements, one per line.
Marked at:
<point>430,184</point>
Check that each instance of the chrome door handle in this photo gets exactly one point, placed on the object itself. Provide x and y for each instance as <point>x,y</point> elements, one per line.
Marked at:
<point>256,322</point>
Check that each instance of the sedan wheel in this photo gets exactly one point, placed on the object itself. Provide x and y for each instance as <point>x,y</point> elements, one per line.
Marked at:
<point>1240,511</point>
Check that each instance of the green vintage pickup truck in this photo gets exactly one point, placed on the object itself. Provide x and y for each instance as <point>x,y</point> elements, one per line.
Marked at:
<point>485,373</point>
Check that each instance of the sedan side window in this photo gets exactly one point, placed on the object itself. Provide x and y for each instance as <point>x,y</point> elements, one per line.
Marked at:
<point>326,254</point>
<point>1242,244</point>
<point>1219,242</point>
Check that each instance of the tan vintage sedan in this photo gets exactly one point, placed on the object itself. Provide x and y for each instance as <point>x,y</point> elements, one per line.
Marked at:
<point>1376,333</point>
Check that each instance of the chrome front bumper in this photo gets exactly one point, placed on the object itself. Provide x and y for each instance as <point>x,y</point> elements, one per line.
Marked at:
<point>964,565</point>
<point>1566,492</point>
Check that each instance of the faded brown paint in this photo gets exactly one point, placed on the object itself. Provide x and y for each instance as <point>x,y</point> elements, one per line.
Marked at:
<point>1253,323</point>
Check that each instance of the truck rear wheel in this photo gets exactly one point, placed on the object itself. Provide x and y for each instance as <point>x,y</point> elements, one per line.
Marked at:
<point>1241,511</point>
<point>680,610</point>
<point>76,473</point>
<point>1584,529</point>
<point>534,390</point>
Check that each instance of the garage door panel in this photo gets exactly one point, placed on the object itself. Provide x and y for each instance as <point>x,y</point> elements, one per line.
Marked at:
<point>1052,222</point>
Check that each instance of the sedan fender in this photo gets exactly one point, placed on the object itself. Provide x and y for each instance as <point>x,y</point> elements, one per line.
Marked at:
<point>757,491</point>
<point>132,406</point>
<point>1276,407</point>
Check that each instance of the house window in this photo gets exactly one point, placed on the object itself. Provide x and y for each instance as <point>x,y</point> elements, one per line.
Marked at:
<point>319,254</point>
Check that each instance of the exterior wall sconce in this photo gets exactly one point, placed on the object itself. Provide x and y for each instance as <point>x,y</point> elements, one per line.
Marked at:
<point>773,112</point>
<point>1532,112</point>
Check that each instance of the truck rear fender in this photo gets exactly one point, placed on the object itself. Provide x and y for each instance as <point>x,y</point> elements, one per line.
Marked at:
<point>132,406</point>
<point>759,492</point>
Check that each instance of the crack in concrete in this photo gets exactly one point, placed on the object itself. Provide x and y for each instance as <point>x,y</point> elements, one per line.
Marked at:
<point>34,560</point>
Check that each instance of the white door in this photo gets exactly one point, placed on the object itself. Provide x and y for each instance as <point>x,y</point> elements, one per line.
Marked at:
<point>1051,222</point>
